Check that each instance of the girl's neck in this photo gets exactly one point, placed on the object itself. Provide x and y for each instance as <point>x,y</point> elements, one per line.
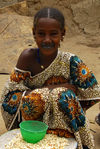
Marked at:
<point>46,60</point>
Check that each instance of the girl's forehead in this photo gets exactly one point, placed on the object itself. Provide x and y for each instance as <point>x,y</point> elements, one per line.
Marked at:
<point>47,22</point>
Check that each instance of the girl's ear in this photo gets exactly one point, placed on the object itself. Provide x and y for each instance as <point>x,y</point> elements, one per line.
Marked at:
<point>33,31</point>
<point>63,34</point>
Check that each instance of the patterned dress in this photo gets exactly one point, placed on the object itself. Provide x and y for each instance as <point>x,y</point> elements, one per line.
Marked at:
<point>59,108</point>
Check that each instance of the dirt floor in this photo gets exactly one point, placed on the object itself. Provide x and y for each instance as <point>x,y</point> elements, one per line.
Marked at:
<point>91,56</point>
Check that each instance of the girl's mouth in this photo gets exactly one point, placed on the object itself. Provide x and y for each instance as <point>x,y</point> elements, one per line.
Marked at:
<point>47,46</point>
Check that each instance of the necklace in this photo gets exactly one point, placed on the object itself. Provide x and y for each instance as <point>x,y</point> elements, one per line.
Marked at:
<point>38,60</point>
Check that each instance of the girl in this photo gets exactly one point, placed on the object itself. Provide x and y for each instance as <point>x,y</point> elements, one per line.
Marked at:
<point>50,85</point>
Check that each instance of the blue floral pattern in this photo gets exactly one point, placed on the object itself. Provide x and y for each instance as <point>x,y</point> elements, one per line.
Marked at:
<point>80,74</point>
<point>69,104</point>
<point>11,102</point>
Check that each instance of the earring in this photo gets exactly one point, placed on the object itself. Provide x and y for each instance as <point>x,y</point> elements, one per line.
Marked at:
<point>62,38</point>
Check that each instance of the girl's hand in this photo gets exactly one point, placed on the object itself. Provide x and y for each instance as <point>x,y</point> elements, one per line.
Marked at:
<point>66,85</point>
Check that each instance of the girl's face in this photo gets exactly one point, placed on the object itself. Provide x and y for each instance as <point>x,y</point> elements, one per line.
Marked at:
<point>48,35</point>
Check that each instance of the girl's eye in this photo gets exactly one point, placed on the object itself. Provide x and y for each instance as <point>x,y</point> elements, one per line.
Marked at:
<point>41,34</point>
<point>54,33</point>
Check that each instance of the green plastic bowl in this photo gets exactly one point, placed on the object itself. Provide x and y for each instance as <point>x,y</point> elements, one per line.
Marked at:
<point>33,131</point>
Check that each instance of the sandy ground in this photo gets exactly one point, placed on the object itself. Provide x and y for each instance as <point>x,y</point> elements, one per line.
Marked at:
<point>91,56</point>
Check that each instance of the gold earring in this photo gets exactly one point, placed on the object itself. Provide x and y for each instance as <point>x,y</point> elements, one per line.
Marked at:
<point>63,39</point>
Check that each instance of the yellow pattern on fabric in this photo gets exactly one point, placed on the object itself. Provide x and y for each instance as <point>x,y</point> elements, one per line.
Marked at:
<point>18,76</point>
<point>32,106</point>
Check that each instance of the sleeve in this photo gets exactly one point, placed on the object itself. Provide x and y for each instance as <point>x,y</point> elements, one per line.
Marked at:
<point>11,96</point>
<point>83,78</point>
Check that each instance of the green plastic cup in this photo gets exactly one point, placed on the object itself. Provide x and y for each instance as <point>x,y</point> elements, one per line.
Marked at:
<point>33,131</point>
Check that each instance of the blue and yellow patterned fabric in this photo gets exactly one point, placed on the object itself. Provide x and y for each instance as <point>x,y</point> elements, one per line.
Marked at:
<point>69,104</point>
<point>80,74</point>
<point>11,102</point>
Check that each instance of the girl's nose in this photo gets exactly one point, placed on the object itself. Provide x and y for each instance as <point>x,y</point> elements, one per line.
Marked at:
<point>47,39</point>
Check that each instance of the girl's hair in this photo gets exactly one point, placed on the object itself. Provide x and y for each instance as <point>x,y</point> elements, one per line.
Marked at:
<point>50,12</point>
